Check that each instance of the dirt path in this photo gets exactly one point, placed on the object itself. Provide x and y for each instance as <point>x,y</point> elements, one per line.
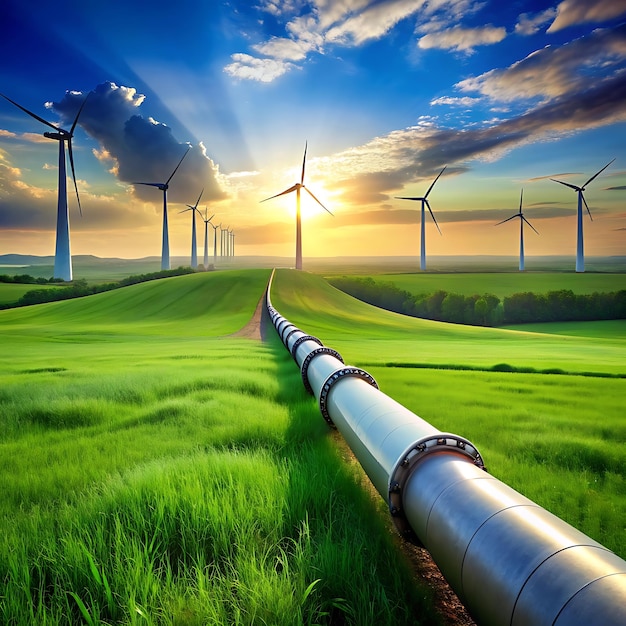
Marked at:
<point>252,330</point>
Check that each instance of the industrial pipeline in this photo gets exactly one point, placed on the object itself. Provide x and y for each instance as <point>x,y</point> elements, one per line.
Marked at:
<point>511,562</point>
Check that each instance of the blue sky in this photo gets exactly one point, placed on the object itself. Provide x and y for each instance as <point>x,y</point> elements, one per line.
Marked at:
<point>505,94</point>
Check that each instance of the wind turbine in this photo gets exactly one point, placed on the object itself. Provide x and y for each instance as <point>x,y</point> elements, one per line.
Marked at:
<point>297,187</point>
<point>223,239</point>
<point>424,201</point>
<point>165,246</point>
<point>580,248</point>
<point>62,252</point>
<point>206,237</point>
<point>215,242</point>
<point>522,219</point>
<point>194,245</point>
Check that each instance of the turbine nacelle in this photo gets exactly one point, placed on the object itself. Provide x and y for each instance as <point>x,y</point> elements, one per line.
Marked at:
<point>62,135</point>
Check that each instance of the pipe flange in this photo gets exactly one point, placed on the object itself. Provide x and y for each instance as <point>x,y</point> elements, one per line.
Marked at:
<point>403,468</point>
<point>284,337</point>
<point>291,332</point>
<point>307,361</point>
<point>284,322</point>
<point>346,372</point>
<point>302,339</point>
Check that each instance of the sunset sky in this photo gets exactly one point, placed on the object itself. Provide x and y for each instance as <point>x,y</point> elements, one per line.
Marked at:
<point>505,94</point>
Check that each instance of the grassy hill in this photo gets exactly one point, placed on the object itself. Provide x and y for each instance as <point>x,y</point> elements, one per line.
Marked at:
<point>370,336</point>
<point>155,468</point>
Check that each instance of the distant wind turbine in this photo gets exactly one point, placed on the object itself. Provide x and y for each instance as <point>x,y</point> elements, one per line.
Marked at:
<point>424,201</point>
<point>206,236</point>
<point>215,242</point>
<point>62,252</point>
<point>522,219</point>
<point>580,247</point>
<point>194,244</point>
<point>165,246</point>
<point>223,239</point>
<point>297,187</point>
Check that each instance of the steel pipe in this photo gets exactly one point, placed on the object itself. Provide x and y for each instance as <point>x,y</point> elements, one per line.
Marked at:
<point>511,562</point>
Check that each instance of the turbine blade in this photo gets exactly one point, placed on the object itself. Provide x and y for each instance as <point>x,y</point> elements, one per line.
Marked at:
<point>198,200</point>
<point>78,114</point>
<point>69,149</point>
<point>316,200</point>
<point>212,216</point>
<point>303,163</point>
<point>530,224</point>
<point>403,198</point>
<point>597,173</point>
<point>434,181</point>
<point>149,184</point>
<point>582,195</point>
<point>520,201</point>
<point>508,219</point>
<point>566,184</point>
<point>40,119</point>
<point>174,172</point>
<point>282,193</point>
<point>431,212</point>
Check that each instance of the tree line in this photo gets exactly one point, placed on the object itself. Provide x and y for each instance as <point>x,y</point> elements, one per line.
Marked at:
<point>80,287</point>
<point>487,309</point>
<point>27,279</point>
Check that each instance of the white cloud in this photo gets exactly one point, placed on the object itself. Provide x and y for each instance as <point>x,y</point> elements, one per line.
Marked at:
<point>531,23</point>
<point>284,49</point>
<point>463,39</point>
<point>465,101</point>
<point>372,23</point>
<point>554,71</point>
<point>572,12</point>
<point>245,66</point>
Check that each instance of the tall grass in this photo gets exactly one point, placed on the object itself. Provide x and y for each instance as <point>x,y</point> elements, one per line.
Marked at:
<point>154,476</point>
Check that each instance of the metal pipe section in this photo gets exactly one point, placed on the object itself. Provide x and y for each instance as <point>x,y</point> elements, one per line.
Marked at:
<point>511,562</point>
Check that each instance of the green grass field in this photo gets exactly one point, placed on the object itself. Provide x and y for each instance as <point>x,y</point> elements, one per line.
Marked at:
<point>158,469</point>
<point>504,284</point>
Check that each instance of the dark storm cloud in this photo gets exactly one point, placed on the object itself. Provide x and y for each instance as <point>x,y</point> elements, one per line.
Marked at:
<point>141,149</point>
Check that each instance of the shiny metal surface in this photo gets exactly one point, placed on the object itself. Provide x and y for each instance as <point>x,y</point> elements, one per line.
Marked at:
<point>511,562</point>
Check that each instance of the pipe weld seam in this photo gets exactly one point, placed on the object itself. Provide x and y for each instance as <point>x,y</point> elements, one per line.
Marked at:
<point>307,361</point>
<point>301,340</point>
<point>346,372</point>
<point>405,465</point>
<point>295,329</point>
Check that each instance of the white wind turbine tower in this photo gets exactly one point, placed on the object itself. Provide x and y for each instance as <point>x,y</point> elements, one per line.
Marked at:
<point>522,219</point>
<point>215,242</point>
<point>297,187</point>
<point>223,239</point>
<point>580,247</point>
<point>424,201</point>
<point>62,251</point>
<point>194,244</point>
<point>206,236</point>
<point>165,246</point>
